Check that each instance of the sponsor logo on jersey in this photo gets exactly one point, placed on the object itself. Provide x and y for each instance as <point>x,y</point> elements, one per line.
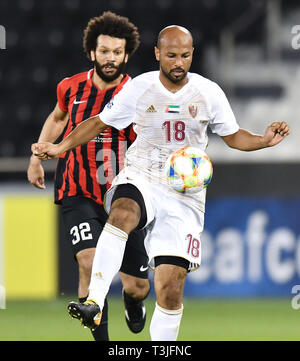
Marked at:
<point>79,101</point>
<point>99,139</point>
<point>110,103</point>
<point>172,109</point>
<point>151,109</point>
<point>193,109</point>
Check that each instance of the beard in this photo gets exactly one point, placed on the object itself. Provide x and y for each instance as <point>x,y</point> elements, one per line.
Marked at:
<point>109,77</point>
<point>171,77</point>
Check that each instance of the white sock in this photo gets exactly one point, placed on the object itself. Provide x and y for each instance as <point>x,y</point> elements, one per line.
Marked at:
<point>107,262</point>
<point>165,324</point>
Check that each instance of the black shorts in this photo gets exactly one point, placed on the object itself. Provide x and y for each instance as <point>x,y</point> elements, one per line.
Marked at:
<point>84,220</point>
<point>173,260</point>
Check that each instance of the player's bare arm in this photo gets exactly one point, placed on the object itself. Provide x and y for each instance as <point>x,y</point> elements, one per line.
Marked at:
<point>52,129</point>
<point>83,133</point>
<point>247,141</point>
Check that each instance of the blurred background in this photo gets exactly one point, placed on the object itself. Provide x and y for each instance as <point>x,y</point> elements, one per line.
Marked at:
<point>251,242</point>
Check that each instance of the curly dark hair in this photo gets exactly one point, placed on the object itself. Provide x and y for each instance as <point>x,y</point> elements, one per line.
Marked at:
<point>113,25</point>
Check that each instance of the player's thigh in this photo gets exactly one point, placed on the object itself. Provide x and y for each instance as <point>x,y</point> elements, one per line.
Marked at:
<point>169,277</point>
<point>169,282</point>
<point>83,221</point>
<point>176,230</point>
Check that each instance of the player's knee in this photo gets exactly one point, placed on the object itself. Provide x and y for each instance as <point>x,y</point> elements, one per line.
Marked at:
<point>169,294</point>
<point>125,214</point>
<point>137,288</point>
<point>170,300</point>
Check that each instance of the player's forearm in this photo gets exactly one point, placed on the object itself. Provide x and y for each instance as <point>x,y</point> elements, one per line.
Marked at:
<point>82,134</point>
<point>245,141</point>
<point>52,129</point>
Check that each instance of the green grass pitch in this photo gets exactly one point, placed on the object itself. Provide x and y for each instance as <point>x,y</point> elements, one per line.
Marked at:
<point>213,320</point>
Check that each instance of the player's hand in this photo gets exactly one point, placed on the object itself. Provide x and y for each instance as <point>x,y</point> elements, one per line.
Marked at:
<point>275,133</point>
<point>35,173</point>
<point>45,150</point>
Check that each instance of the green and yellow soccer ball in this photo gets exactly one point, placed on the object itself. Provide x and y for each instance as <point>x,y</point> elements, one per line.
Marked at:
<point>189,170</point>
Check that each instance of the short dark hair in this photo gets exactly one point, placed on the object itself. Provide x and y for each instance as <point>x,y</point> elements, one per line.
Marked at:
<point>112,25</point>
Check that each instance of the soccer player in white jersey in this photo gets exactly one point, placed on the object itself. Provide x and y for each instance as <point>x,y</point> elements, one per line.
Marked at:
<point>170,108</point>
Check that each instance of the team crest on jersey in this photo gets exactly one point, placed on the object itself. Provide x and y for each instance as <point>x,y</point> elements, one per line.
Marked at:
<point>193,109</point>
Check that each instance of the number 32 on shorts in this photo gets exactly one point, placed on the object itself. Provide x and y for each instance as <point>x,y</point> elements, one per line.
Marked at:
<point>82,232</point>
<point>193,246</point>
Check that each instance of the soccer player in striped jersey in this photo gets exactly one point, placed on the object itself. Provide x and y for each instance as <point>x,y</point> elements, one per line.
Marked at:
<point>84,174</point>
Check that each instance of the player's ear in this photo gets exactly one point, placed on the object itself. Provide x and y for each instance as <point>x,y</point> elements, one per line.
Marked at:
<point>156,52</point>
<point>126,58</point>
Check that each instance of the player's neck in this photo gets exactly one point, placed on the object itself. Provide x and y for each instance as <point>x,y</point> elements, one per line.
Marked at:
<point>101,84</point>
<point>172,87</point>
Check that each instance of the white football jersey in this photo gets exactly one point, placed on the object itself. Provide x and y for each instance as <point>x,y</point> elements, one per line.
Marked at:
<point>166,121</point>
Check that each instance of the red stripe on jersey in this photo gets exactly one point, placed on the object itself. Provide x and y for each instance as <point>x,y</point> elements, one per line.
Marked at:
<point>91,149</point>
<point>72,184</point>
<point>82,170</point>
<point>63,187</point>
<point>132,134</point>
<point>60,93</point>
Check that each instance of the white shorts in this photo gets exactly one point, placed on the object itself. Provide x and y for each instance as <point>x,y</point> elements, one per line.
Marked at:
<point>173,226</point>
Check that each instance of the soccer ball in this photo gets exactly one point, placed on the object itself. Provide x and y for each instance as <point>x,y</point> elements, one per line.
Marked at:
<point>189,170</point>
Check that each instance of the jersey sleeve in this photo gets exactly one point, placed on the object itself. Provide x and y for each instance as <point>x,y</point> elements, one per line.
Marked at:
<point>222,121</point>
<point>61,96</point>
<point>120,111</point>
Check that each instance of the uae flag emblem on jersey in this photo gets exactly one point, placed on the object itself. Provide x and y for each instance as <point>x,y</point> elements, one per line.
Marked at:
<point>173,109</point>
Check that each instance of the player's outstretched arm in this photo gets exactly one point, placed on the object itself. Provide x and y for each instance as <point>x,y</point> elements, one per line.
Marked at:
<point>52,129</point>
<point>82,134</point>
<point>247,141</point>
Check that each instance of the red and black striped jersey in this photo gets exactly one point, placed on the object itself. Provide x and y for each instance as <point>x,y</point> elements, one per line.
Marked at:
<point>88,170</point>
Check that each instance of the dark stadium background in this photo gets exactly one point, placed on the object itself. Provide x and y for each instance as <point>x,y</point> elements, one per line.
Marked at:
<point>44,45</point>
